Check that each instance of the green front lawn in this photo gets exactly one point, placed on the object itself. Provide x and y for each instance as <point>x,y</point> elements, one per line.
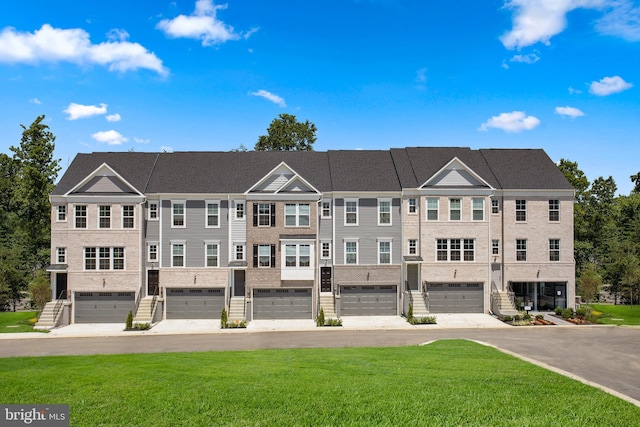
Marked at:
<point>17,322</point>
<point>447,383</point>
<point>618,314</point>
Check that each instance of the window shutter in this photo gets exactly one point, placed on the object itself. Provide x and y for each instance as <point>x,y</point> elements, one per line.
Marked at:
<point>273,256</point>
<point>273,214</point>
<point>255,256</point>
<point>255,214</point>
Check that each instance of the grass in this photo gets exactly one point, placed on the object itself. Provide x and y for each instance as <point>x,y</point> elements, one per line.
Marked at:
<point>21,321</point>
<point>618,314</point>
<point>446,383</point>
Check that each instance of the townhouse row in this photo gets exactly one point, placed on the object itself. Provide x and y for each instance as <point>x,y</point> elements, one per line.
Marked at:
<point>280,235</point>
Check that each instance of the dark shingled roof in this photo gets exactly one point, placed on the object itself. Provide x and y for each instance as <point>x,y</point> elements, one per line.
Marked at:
<point>360,170</point>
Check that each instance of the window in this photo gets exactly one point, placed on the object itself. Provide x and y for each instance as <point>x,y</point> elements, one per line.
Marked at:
<point>413,247</point>
<point>212,255</point>
<point>62,212</point>
<point>495,206</point>
<point>413,205</point>
<point>62,255</point>
<point>384,212</point>
<point>264,215</point>
<point>554,249</point>
<point>554,210</point>
<point>296,215</point>
<point>495,247</point>
<point>326,209</point>
<point>351,212</point>
<point>455,209</point>
<point>127,216</point>
<point>521,249</point>
<point>432,209</point>
<point>118,258</point>
<point>152,251</point>
<point>239,210</point>
<point>351,252</point>
<point>455,250</point>
<point>239,251</point>
<point>521,210</point>
<point>478,209</point>
<point>177,254</point>
<point>384,252</point>
<point>326,250</point>
<point>264,255</point>
<point>297,255</point>
<point>104,258</point>
<point>177,215</point>
<point>153,211</point>
<point>81,216</point>
<point>104,215</point>
<point>89,258</point>
<point>213,215</point>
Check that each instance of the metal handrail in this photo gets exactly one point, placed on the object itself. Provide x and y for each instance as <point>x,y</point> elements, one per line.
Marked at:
<point>153,302</point>
<point>138,299</point>
<point>406,286</point>
<point>59,303</point>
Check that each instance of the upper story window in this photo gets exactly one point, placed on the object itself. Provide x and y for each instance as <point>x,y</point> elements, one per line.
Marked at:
<point>326,209</point>
<point>554,249</point>
<point>177,254</point>
<point>152,252</point>
<point>351,252</point>
<point>118,258</point>
<point>413,247</point>
<point>62,212</point>
<point>264,256</point>
<point>153,211</point>
<point>413,205</point>
<point>432,209</point>
<point>325,250</point>
<point>384,252</point>
<point>80,216</point>
<point>104,258</point>
<point>521,210</point>
<point>455,250</point>
<point>478,209</point>
<point>521,249</point>
<point>351,212</point>
<point>239,251</point>
<point>104,216</point>
<point>554,210</point>
<point>213,215</point>
<point>61,255</point>
<point>495,247</point>
<point>495,206</point>
<point>178,214</point>
<point>455,209</point>
<point>89,258</point>
<point>297,255</point>
<point>384,212</point>
<point>296,215</point>
<point>264,215</point>
<point>211,255</point>
<point>127,216</point>
<point>239,210</point>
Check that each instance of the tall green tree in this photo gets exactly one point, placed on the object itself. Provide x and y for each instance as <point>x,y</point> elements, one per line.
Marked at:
<point>285,133</point>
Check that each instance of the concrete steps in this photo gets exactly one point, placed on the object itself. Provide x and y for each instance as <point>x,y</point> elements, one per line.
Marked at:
<point>46,319</point>
<point>419,304</point>
<point>326,304</point>
<point>237,309</point>
<point>143,315</point>
<point>502,305</point>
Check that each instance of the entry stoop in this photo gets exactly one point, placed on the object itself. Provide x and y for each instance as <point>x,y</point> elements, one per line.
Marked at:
<point>47,319</point>
<point>144,314</point>
<point>237,309</point>
<point>327,306</point>
<point>501,304</point>
<point>419,305</point>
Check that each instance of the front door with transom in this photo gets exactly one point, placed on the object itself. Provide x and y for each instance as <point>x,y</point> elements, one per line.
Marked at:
<point>325,279</point>
<point>238,283</point>
<point>153,282</point>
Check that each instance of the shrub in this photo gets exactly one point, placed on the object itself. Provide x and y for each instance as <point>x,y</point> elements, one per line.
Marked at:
<point>224,317</point>
<point>507,318</point>
<point>517,318</point>
<point>320,318</point>
<point>567,313</point>
<point>129,324</point>
<point>410,313</point>
<point>423,320</point>
<point>333,322</point>
<point>526,316</point>
<point>235,325</point>
<point>539,316</point>
<point>40,290</point>
<point>558,310</point>
<point>142,326</point>
<point>581,311</point>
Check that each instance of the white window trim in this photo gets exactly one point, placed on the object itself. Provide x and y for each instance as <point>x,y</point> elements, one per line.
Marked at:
<point>427,209</point>
<point>357,201</point>
<point>122,217</point>
<point>206,253</point>
<point>554,210</point>
<point>526,250</point>
<point>495,246</point>
<point>415,199</point>
<point>111,258</point>
<point>261,215</point>
<point>66,214</point>
<point>322,215</point>
<point>110,218</point>
<point>235,252</point>
<point>64,255</point>
<point>184,214</point>
<point>235,211</point>
<point>149,244</point>
<point>473,209</point>
<point>206,213</point>
<point>296,215</point>
<point>390,213</point>
<point>526,215</point>
<point>184,252</point>
<point>390,241</point>
<point>462,249</point>
<point>409,246</point>
<point>86,217</point>
<point>558,250</point>
<point>84,258</point>
<point>451,209</point>
<point>357,242</point>
<point>497,206</point>
<point>283,260</point>
<point>322,242</point>
<point>157,204</point>
<point>268,255</point>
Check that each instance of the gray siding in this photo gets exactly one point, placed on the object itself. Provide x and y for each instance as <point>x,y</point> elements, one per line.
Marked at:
<point>368,231</point>
<point>195,233</point>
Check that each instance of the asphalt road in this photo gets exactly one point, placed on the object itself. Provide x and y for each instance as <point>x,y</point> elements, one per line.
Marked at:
<point>608,356</point>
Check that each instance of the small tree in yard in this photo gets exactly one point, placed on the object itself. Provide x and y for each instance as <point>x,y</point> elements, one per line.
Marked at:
<point>129,324</point>
<point>320,319</point>
<point>590,284</point>
<point>40,291</point>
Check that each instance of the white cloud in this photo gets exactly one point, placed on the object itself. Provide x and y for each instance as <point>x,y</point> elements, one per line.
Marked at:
<point>110,137</point>
<point>166,149</point>
<point>531,58</point>
<point>511,122</point>
<point>141,141</point>
<point>73,45</point>
<point>270,96</point>
<point>35,101</point>
<point>113,117</point>
<point>574,91</point>
<point>609,85</point>
<point>202,25</point>
<point>536,21</point>
<point>421,75</point>
<point>569,111</point>
<point>622,19</point>
<point>78,111</point>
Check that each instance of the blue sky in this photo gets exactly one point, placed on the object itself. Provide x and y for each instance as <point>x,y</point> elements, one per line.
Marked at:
<point>148,75</point>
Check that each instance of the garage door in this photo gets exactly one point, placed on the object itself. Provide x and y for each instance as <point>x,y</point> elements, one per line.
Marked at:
<point>195,303</point>
<point>368,301</point>
<point>103,307</point>
<point>456,298</point>
<point>282,304</point>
